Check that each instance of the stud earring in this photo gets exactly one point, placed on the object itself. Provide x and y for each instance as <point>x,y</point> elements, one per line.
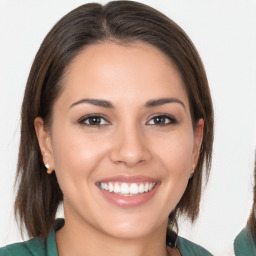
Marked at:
<point>192,172</point>
<point>47,166</point>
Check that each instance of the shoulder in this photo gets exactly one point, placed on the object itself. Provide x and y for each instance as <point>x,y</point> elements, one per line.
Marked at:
<point>36,246</point>
<point>189,248</point>
<point>243,244</point>
<point>33,247</point>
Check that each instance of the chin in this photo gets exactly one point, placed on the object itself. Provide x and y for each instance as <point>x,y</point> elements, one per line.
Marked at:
<point>133,228</point>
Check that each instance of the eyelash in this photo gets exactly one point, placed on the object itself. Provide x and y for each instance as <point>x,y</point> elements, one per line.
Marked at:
<point>98,119</point>
<point>91,117</point>
<point>171,120</point>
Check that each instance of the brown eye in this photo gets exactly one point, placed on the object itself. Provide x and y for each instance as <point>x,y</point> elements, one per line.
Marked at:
<point>162,120</point>
<point>93,120</point>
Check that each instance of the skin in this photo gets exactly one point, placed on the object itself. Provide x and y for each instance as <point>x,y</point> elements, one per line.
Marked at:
<point>127,141</point>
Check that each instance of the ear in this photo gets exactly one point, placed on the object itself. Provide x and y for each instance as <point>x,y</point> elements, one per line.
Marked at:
<point>44,141</point>
<point>198,138</point>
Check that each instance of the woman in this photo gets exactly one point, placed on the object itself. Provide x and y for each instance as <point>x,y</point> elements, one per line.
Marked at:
<point>117,123</point>
<point>245,242</point>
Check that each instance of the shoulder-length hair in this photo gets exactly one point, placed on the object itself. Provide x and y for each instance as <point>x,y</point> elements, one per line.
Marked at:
<point>251,223</point>
<point>39,194</point>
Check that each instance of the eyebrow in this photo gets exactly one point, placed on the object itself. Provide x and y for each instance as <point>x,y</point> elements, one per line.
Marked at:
<point>162,101</point>
<point>96,102</point>
<point>149,104</point>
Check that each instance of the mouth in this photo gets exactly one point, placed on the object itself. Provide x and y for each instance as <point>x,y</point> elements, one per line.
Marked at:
<point>126,191</point>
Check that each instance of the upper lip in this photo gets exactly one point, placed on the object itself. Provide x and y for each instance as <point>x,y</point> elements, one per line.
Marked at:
<point>128,179</point>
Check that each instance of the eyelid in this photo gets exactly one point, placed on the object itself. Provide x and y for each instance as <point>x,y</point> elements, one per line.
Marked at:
<point>172,119</point>
<point>85,117</point>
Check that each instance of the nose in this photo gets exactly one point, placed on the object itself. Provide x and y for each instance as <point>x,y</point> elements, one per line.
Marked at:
<point>130,147</point>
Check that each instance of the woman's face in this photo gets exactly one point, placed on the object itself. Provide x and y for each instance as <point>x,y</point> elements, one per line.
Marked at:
<point>121,141</point>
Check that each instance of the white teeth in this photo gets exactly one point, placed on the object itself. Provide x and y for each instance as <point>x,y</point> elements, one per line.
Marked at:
<point>117,188</point>
<point>110,187</point>
<point>134,189</point>
<point>124,188</point>
<point>127,189</point>
<point>141,188</point>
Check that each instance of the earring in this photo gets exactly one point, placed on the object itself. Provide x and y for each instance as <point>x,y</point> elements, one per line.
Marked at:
<point>47,166</point>
<point>192,172</point>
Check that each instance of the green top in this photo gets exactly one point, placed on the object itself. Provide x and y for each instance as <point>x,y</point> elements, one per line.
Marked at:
<point>37,246</point>
<point>244,244</point>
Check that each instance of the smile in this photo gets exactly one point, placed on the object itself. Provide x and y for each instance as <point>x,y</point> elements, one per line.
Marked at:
<point>127,189</point>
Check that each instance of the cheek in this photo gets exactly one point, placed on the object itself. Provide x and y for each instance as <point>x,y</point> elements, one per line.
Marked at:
<point>177,161</point>
<point>176,152</point>
<point>76,156</point>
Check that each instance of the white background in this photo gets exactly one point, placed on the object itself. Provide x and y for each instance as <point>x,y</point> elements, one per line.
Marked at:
<point>224,32</point>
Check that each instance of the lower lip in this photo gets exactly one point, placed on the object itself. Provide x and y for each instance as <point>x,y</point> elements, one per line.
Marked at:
<point>129,201</point>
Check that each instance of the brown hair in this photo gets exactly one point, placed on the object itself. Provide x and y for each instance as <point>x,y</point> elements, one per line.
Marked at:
<point>252,219</point>
<point>121,21</point>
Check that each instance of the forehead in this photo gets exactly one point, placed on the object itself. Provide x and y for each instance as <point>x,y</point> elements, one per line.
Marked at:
<point>113,71</point>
